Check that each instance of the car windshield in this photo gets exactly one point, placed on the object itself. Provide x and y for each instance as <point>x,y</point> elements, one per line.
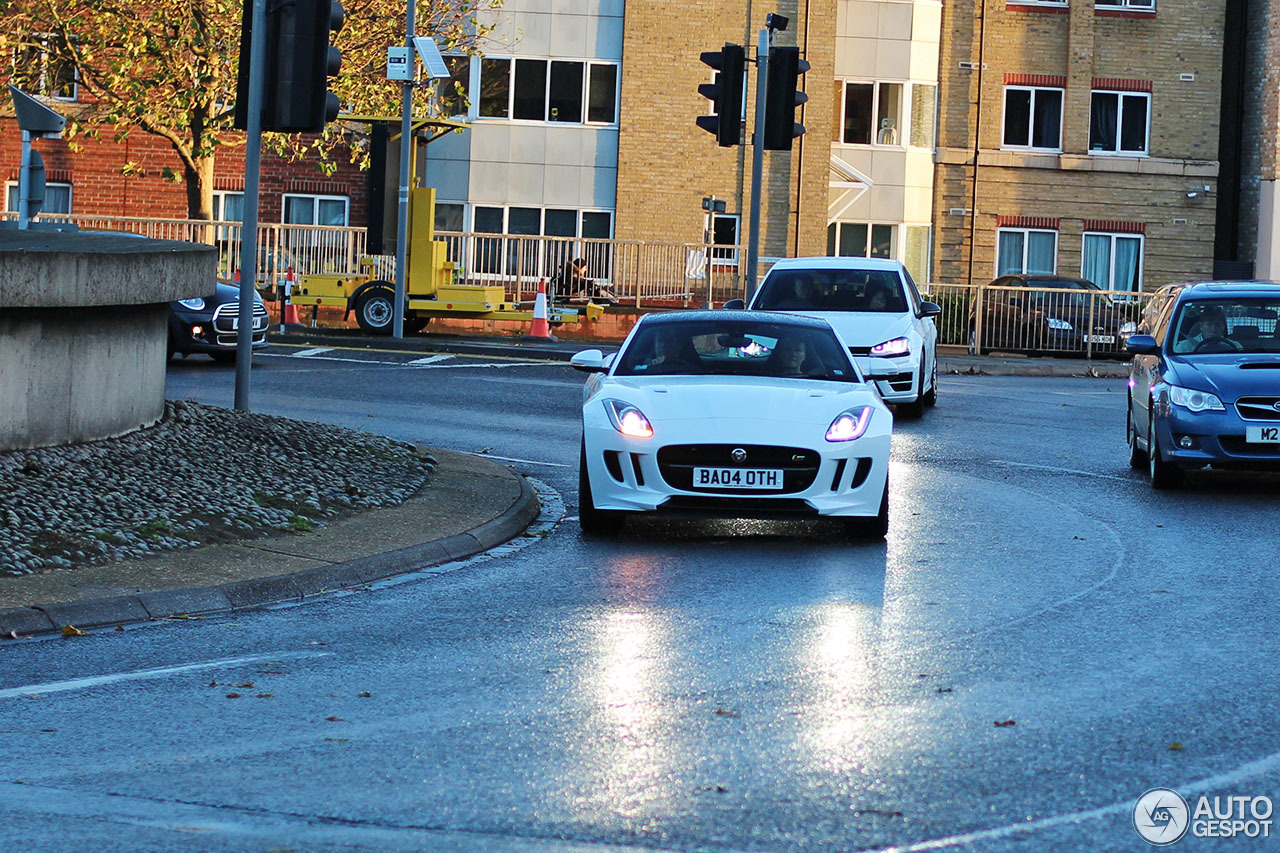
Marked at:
<point>832,290</point>
<point>735,347</point>
<point>1225,326</point>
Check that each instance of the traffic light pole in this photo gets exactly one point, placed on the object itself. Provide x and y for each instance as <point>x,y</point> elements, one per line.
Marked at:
<point>757,161</point>
<point>406,154</point>
<point>249,229</point>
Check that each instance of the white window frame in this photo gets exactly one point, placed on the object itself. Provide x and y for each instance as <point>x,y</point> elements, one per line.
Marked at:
<point>587,65</point>
<point>468,220</point>
<point>1034,90</point>
<point>44,210</point>
<point>904,117</point>
<point>316,198</point>
<point>1026,247</point>
<point>1118,151</point>
<point>1136,5</point>
<point>895,237</point>
<point>1111,261</point>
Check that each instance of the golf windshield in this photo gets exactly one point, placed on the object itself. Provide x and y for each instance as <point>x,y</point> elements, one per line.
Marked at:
<point>833,290</point>
<point>735,347</point>
<point>1226,326</point>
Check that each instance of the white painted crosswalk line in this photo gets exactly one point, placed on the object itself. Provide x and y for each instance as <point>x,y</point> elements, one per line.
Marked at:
<point>310,352</point>
<point>430,359</point>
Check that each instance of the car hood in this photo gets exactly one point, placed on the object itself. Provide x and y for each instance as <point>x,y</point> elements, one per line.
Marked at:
<point>1229,376</point>
<point>751,398</point>
<point>864,328</point>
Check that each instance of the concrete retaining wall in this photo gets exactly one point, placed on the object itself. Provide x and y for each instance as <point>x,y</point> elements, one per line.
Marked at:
<point>83,332</point>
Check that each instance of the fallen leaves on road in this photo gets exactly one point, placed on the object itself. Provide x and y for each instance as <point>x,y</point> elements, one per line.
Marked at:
<point>233,695</point>
<point>364,694</point>
<point>264,696</point>
<point>948,690</point>
<point>13,635</point>
<point>72,631</point>
<point>247,684</point>
<point>727,712</point>
<point>1175,747</point>
<point>1006,723</point>
<point>335,719</point>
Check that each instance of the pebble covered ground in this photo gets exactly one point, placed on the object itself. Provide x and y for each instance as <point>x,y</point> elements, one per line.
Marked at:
<point>202,474</point>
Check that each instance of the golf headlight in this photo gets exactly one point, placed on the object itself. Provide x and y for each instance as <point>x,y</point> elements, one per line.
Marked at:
<point>1196,401</point>
<point>897,346</point>
<point>195,304</point>
<point>627,419</point>
<point>849,425</point>
<point>1055,323</point>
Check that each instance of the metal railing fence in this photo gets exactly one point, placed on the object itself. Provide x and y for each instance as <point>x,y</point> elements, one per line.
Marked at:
<point>983,319</point>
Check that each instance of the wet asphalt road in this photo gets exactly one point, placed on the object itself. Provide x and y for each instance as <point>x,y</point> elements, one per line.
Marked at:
<point>718,685</point>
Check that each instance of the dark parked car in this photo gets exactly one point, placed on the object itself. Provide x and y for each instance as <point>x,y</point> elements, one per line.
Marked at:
<point>1035,313</point>
<point>1204,388</point>
<point>209,324</point>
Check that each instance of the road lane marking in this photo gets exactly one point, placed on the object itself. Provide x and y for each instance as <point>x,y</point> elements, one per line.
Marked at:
<point>307,353</point>
<point>416,365</point>
<point>1063,470</point>
<point>525,461</point>
<point>430,359</point>
<point>142,674</point>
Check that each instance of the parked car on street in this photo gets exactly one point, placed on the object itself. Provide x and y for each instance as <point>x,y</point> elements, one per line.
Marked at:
<point>875,307</point>
<point>209,324</point>
<point>732,414</point>
<point>1204,387</point>
<point>1034,313</point>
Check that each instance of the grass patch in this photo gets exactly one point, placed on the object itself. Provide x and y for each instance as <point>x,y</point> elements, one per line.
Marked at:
<point>301,524</point>
<point>154,529</point>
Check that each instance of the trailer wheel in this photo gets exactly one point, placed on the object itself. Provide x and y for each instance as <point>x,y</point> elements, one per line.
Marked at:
<point>374,310</point>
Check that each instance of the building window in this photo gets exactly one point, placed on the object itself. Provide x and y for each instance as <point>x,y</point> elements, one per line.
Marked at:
<point>452,93</point>
<point>923,112</point>
<point>1135,5</point>
<point>37,68</point>
<point>724,240</point>
<point>1026,250</point>
<point>915,255</point>
<point>860,240</point>
<point>563,91</point>
<point>228,206</point>
<point>536,258</point>
<point>1113,261</point>
<point>449,216</point>
<point>1033,118</point>
<point>1118,122</point>
<point>57,198</point>
<point>872,114</point>
<point>315,210</point>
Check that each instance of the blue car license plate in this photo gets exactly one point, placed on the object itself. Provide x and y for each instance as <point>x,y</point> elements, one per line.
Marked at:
<point>1262,434</point>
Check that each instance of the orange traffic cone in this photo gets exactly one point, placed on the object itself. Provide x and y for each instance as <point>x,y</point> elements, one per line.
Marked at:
<point>289,311</point>
<point>541,329</point>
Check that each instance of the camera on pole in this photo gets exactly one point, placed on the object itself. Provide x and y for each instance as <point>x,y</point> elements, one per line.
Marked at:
<point>300,61</point>
<point>780,125</point>
<point>725,94</point>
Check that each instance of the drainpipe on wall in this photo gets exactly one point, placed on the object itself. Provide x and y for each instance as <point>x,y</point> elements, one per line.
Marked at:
<point>977,135</point>
<point>804,87</point>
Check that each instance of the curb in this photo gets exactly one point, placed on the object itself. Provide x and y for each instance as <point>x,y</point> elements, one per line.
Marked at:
<point>296,586</point>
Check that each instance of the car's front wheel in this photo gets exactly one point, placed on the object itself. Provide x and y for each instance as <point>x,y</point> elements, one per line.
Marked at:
<point>931,396</point>
<point>593,521</point>
<point>1164,475</point>
<point>1137,456</point>
<point>875,527</point>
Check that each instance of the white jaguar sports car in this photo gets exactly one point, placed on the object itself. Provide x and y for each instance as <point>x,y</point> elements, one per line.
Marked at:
<point>736,414</point>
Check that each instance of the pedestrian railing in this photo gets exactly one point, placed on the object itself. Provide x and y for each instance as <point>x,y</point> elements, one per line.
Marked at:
<point>1084,322</point>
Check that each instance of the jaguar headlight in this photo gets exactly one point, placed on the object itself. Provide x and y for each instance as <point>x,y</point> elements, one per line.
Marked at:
<point>850,424</point>
<point>627,419</point>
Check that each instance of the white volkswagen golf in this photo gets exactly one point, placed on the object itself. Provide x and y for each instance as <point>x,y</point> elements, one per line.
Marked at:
<point>733,414</point>
<point>875,307</point>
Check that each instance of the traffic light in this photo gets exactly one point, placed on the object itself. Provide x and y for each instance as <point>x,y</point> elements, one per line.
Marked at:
<point>725,94</point>
<point>299,61</point>
<point>782,98</point>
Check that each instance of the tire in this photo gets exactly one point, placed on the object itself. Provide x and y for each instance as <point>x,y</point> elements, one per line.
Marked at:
<point>415,324</point>
<point>375,311</point>
<point>931,397</point>
<point>873,528</point>
<point>594,522</point>
<point>1137,456</point>
<point>1164,475</point>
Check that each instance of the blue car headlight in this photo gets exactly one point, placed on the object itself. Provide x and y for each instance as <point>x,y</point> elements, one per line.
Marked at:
<point>196,304</point>
<point>1195,401</point>
<point>1061,325</point>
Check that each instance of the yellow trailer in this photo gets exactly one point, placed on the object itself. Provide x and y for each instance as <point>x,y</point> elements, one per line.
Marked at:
<point>430,289</point>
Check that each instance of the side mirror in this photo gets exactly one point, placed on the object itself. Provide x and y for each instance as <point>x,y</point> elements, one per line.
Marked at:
<point>736,304</point>
<point>880,368</point>
<point>589,361</point>
<point>930,309</point>
<point>1142,345</point>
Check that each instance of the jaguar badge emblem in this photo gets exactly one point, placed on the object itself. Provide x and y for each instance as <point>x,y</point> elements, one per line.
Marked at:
<point>739,455</point>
